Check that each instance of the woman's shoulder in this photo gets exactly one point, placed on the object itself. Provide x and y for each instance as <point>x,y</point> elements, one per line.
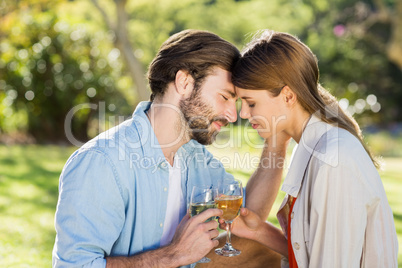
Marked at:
<point>341,154</point>
<point>339,147</point>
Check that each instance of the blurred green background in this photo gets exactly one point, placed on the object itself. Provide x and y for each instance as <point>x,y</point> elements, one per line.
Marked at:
<point>72,69</point>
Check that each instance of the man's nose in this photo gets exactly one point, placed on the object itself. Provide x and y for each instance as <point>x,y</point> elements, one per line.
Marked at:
<point>231,113</point>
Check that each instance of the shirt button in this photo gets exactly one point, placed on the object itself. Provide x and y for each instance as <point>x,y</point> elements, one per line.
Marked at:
<point>292,215</point>
<point>164,165</point>
<point>165,189</point>
<point>297,246</point>
<point>161,224</point>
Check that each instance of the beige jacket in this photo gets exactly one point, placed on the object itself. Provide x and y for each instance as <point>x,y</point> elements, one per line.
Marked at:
<point>341,217</point>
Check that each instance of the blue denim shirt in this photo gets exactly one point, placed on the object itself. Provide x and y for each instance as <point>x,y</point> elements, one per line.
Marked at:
<point>113,193</point>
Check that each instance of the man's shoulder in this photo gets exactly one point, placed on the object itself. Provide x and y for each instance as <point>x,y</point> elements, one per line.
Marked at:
<point>115,142</point>
<point>114,149</point>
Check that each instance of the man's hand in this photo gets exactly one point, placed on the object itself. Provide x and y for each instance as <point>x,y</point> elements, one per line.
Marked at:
<point>247,225</point>
<point>191,242</point>
<point>194,237</point>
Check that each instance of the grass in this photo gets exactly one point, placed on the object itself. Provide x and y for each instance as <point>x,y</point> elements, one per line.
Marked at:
<point>28,195</point>
<point>29,190</point>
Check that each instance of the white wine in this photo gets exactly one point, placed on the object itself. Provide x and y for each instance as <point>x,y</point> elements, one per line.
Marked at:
<point>229,201</point>
<point>230,205</point>
<point>197,208</point>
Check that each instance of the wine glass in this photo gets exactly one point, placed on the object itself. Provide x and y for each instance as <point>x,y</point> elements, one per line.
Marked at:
<point>229,200</point>
<point>202,198</point>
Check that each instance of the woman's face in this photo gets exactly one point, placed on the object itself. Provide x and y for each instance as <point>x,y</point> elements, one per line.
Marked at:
<point>266,114</point>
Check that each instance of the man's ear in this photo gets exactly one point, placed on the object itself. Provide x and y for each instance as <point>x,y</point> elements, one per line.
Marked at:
<point>184,83</point>
<point>288,95</point>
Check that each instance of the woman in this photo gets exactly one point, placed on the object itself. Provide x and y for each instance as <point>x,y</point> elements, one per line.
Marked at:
<point>335,213</point>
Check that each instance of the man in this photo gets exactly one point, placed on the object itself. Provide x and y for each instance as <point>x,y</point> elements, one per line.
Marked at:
<point>123,195</point>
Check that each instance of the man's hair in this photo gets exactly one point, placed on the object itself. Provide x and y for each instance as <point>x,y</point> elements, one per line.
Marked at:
<point>194,51</point>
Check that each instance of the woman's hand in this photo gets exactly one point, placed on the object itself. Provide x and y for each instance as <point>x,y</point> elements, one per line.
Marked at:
<point>278,142</point>
<point>247,225</point>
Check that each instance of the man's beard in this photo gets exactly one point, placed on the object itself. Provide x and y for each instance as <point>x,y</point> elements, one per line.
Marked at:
<point>198,117</point>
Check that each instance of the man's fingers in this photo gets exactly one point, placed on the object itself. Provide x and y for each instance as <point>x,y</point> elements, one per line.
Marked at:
<point>186,217</point>
<point>211,225</point>
<point>205,215</point>
<point>213,233</point>
<point>215,242</point>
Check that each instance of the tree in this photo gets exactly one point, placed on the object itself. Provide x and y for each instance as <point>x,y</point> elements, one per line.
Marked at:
<point>46,68</point>
<point>357,43</point>
<point>391,15</point>
<point>352,40</point>
<point>122,42</point>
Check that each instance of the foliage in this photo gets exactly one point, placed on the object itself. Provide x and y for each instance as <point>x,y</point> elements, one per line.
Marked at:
<point>48,66</point>
<point>351,48</point>
<point>385,144</point>
<point>352,54</point>
<point>233,20</point>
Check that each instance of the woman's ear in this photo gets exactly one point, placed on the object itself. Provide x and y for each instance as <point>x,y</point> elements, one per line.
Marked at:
<point>288,95</point>
<point>184,83</point>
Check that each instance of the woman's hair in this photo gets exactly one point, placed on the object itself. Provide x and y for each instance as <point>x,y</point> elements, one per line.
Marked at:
<point>273,60</point>
<point>194,51</point>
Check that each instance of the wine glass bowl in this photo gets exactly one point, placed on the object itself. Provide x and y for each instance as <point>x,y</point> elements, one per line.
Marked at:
<point>229,200</point>
<point>230,206</point>
<point>202,198</point>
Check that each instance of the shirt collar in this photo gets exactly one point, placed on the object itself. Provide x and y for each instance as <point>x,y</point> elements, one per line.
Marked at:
<point>151,148</point>
<point>302,153</point>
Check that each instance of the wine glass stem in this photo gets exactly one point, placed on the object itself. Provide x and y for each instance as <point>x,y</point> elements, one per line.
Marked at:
<point>229,233</point>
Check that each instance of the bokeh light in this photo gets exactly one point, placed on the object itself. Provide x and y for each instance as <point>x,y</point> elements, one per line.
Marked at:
<point>91,92</point>
<point>30,95</point>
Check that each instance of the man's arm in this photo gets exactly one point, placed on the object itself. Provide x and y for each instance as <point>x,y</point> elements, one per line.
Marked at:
<point>162,257</point>
<point>192,241</point>
<point>90,211</point>
<point>263,186</point>
<point>90,215</point>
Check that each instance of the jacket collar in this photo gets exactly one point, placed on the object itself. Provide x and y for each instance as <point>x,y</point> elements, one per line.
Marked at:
<point>302,153</point>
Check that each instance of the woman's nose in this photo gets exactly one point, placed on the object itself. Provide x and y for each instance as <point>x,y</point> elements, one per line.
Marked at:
<point>244,113</point>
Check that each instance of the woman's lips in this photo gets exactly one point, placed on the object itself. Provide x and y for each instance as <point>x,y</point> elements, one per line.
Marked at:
<point>254,126</point>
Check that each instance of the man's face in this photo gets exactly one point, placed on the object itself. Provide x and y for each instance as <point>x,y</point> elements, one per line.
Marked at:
<point>210,107</point>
